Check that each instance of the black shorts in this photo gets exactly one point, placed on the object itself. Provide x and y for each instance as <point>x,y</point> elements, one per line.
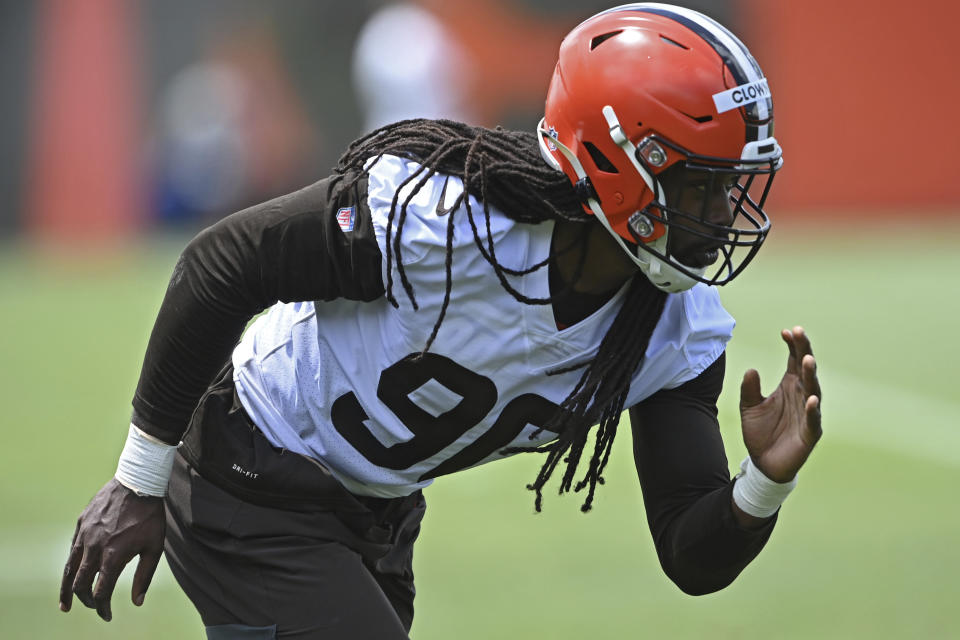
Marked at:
<point>266,543</point>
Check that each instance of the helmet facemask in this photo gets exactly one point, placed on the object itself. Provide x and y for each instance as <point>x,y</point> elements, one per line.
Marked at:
<point>699,244</point>
<point>652,246</point>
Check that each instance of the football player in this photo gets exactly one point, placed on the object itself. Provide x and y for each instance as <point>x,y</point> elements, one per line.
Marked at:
<point>452,295</point>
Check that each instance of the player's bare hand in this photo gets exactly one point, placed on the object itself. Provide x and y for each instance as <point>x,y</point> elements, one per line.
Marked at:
<point>780,430</point>
<point>116,526</point>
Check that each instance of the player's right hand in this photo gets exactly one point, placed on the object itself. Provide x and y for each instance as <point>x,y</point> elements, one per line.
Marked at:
<point>115,527</point>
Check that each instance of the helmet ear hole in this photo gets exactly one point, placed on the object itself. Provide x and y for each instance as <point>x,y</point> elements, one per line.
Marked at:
<point>599,159</point>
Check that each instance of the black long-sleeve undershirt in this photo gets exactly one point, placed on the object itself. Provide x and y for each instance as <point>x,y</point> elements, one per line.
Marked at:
<point>287,249</point>
<point>687,489</point>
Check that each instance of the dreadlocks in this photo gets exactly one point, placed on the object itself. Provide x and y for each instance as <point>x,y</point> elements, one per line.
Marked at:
<point>504,169</point>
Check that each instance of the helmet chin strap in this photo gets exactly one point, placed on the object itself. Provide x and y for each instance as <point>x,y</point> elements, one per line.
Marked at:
<point>663,276</point>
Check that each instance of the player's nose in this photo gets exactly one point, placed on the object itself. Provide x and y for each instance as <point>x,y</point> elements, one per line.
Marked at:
<point>719,208</point>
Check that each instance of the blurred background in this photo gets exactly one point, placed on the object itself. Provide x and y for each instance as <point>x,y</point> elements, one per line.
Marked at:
<point>128,125</point>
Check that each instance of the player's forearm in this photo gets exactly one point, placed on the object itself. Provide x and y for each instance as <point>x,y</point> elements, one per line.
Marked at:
<point>704,547</point>
<point>701,541</point>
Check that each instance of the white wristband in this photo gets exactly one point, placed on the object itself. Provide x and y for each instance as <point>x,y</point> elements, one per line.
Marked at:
<point>757,494</point>
<point>145,464</point>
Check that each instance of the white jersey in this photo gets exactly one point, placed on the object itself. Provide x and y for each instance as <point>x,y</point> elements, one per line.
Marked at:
<point>338,381</point>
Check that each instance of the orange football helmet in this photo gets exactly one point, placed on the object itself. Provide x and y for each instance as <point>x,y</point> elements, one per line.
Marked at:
<point>640,88</point>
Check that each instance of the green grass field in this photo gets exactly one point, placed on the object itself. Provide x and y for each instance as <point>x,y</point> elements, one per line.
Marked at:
<point>867,547</point>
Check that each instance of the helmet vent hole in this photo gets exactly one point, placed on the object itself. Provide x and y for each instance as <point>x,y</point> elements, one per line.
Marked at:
<point>700,119</point>
<point>673,42</point>
<point>603,163</point>
<point>597,41</point>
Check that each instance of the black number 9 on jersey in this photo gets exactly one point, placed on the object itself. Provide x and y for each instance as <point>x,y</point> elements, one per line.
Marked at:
<point>433,433</point>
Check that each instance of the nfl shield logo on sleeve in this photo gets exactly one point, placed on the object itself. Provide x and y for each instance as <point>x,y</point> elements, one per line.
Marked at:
<point>346,217</point>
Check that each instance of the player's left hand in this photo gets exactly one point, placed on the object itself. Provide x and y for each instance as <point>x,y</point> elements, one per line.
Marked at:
<point>780,430</point>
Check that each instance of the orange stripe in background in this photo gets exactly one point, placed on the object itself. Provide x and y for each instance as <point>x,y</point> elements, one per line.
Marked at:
<point>866,95</point>
<point>84,182</point>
